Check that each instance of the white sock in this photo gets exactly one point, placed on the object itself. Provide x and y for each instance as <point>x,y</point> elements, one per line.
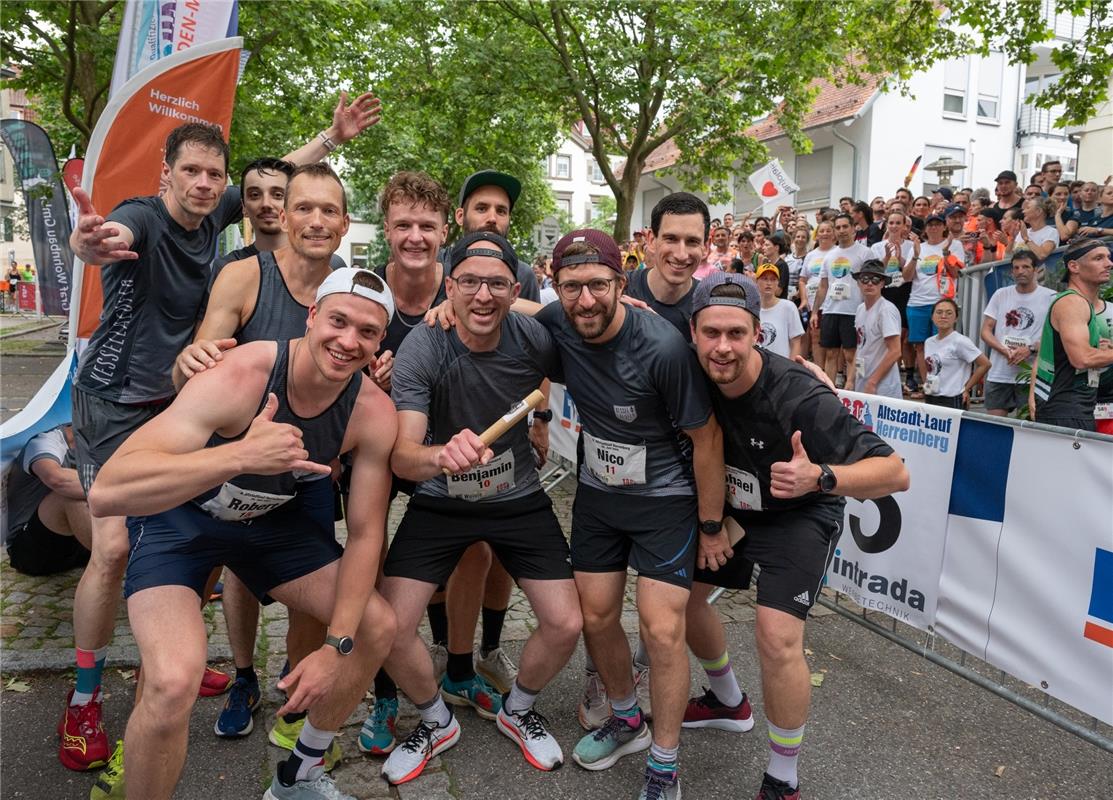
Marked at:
<point>520,700</point>
<point>784,749</point>
<point>435,712</point>
<point>721,680</point>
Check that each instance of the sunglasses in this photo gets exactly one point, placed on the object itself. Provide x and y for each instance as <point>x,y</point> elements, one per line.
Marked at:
<point>871,279</point>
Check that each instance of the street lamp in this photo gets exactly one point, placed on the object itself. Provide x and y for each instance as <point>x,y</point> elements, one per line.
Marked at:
<point>944,167</point>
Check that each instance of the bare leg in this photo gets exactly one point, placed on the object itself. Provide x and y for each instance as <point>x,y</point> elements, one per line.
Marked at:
<point>557,608</point>
<point>784,671</point>
<point>170,632</point>
<point>851,371</point>
<point>464,598</point>
<point>98,592</point>
<point>241,615</point>
<point>601,603</point>
<point>661,609</point>
<point>704,629</point>
<point>67,517</point>
<point>409,662</point>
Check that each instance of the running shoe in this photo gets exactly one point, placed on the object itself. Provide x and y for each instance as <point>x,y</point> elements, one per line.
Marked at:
<point>236,717</point>
<point>602,748</point>
<point>217,593</point>
<point>320,787</point>
<point>594,707</point>
<point>439,654</point>
<point>285,735</point>
<point>659,786</point>
<point>84,743</point>
<point>474,692</point>
<point>497,668</point>
<point>708,712</point>
<point>773,789</point>
<point>641,688</point>
<point>214,682</point>
<point>530,731</point>
<point>377,734</point>
<point>110,783</point>
<point>416,750</point>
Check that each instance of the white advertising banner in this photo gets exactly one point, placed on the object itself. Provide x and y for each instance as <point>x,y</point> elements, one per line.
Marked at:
<point>1027,580</point>
<point>564,430</point>
<point>891,550</point>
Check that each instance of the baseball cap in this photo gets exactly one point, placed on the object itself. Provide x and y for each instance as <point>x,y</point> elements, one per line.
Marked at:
<point>872,266</point>
<point>371,286</point>
<point>946,193</point>
<point>763,268</point>
<point>468,246</point>
<point>489,177</point>
<point>1006,175</point>
<point>953,208</point>
<point>608,254</point>
<point>702,297</point>
<point>935,218</point>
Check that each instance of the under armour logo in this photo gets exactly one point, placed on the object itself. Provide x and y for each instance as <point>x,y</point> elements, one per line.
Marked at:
<point>760,445</point>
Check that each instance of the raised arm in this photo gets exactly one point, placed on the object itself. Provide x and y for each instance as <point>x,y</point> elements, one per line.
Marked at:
<point>415,461</point>
<point>869,478</point>
<point>348,122</point>
<point>96,242</point>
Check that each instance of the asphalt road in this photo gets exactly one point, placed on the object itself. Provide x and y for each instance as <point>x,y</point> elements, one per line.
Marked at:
<point>885,725</point>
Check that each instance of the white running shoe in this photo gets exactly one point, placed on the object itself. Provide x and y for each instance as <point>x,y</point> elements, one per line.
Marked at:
<point>409,758</point>
<point>497,668</point>
<point>439,654</point>
<point>641,688</point>
<point>530,731</point>
<point>594,707</point>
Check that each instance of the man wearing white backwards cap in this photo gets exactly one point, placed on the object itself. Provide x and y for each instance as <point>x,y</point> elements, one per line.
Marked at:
<point>217,479</point>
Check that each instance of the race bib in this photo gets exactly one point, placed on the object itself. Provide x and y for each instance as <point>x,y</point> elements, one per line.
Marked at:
<point>897,280</point>
<point>743,491</point>
<point>233,504</point>
<point>840,291</point>
<point>614,463</point>
<point>860,369</point>
<point>1016,342</point>
<point>811,289</point>
<point>792,292</point>
<point>496,476</point>
<point>1103,411</point>
<point>931,384</point>
<point>1093,378</point>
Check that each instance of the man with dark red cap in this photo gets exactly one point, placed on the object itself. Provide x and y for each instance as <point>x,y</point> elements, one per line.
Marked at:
<point>648,498</point>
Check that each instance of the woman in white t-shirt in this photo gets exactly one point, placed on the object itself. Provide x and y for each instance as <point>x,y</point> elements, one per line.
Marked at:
<point>810,275</point>
<point>954,364</point>
<point>1035,233</point>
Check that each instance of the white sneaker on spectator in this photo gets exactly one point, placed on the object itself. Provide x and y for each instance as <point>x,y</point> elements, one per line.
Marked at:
<point>497,668</point>
<point>594,708</point>
<point>641,689</point>
<point>439,654</point>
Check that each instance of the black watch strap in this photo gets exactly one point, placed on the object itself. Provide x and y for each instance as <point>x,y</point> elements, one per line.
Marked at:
<point>545,415</point>
<point>710,527</point>
<point>827,479</point>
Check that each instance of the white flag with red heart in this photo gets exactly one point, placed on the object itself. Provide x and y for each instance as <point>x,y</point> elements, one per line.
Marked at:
<point>772,185</point>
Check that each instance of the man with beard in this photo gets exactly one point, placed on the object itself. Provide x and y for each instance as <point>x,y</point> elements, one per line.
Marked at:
<point>792,453</point>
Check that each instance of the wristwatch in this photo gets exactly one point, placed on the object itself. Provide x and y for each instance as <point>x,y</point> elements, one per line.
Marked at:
<point>827,480</point>
<point>710,527</point>
<point>545,415</point>
<point>343,644</point>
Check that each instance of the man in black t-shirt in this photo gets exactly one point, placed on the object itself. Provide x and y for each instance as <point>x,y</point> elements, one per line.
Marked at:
<point>792,453</point>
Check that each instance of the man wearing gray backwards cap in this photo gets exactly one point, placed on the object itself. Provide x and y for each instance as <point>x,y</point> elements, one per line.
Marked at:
<point>792,453</point>
<point>450,385</point>
<point>637,388</point>
<point>1076,346</point>
<point>222,477</point>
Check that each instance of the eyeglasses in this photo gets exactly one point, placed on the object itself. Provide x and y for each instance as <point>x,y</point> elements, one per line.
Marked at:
<point>871,279</point>
<point>469,285</point>
<point>599,287</point>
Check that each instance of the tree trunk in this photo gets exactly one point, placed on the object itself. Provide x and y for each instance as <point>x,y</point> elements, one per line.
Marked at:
<point>624,197</point>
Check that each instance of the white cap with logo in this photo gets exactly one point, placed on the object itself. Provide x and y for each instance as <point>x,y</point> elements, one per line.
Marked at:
<point>369,285</point>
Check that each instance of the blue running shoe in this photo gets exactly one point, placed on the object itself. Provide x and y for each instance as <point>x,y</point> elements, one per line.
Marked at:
<point>474,692</point>
<point>236,718</point>
<point>377,735</point>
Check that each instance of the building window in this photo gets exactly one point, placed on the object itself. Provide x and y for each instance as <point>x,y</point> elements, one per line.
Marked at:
<point>990,75</point>
<point>562,167</point>
<point>1024,161</point>
<point>9,230</point>
<point>564,204</point>
<point>813,176</point>
<point>594,171</point>
<point>359,256</point>
<point>956,76</point>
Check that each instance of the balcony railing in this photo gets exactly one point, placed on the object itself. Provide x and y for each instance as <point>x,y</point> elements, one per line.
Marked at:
<point>1035,121</point>
<point>1064,26</point>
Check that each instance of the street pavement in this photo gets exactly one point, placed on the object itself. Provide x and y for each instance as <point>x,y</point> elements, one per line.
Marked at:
<point>885,723</point>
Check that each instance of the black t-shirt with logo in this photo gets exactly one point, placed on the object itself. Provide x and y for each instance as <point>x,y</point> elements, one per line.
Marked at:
<point>678,313</point>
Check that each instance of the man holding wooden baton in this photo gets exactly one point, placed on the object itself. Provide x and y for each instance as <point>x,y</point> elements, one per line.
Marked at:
<point>446,386</point>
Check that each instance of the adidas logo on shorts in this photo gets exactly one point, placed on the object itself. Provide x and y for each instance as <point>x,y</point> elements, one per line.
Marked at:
<point>803,598</point>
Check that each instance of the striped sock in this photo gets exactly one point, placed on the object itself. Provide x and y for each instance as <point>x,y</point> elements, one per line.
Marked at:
<point>308,755</point>
<point>628,710</point>
<point>90,667</point>
<point>784,749</point>
<point>721,678</point>
<point>662,760</point>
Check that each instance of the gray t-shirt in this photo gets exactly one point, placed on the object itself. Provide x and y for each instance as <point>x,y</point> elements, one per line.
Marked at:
<point>151,304</point>
<point>635,394</point>
<point>23,491</point>
<point>437,375</point>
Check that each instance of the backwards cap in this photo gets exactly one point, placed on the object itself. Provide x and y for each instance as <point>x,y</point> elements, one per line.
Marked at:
<point>343,281</point>
<point>607,255</point>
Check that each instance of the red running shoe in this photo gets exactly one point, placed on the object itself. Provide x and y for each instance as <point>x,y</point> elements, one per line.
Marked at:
<point>84,743</point>
<point>773,789</point>
<point>214,682</point>
<point>708,712</point>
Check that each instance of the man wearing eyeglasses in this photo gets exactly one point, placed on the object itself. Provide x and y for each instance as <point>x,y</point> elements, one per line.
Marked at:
<point>877,323</point>
<point>450,385</point>
<point>637,388</point>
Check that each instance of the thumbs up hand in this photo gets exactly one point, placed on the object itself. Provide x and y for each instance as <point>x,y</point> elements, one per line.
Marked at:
<point>271,448</point>
<point>795,478</point>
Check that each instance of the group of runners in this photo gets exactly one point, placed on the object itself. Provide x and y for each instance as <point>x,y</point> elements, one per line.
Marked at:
<point>216,422</point>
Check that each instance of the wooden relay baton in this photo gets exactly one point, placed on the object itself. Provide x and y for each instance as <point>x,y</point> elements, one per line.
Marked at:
<point>509,419</point>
